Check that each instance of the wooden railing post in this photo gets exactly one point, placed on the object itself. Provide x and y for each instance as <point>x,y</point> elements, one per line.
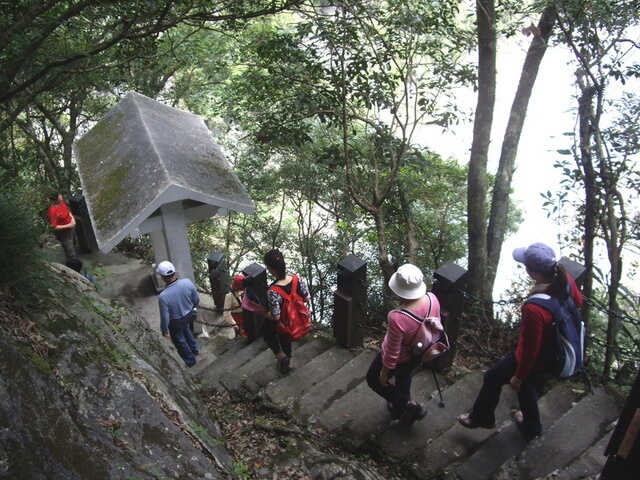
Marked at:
<point>255,284</point>
<point>349,299</point>
<point>218,278</point>
<point>449,279</point>
<point>84,230</point>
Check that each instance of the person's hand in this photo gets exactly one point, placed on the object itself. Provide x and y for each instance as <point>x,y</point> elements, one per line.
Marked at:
<point>166,335</point>
<point>384,378</point>
<point>515,383</point>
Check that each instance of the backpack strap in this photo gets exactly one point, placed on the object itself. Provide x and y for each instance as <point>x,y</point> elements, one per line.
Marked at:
<point>545,301</point>
<point>421,321</point>
<point>237,299</point>
<point>280,290</point>
<point>414,316</point>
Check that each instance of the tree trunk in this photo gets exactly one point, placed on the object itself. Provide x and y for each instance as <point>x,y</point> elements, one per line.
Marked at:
<point>585,164</point>
<point>412,237</point>
<point>504,176</point>
<point>477,182</point>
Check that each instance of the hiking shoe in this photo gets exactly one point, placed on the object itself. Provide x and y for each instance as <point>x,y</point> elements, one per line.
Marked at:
<point>395,414</point>
<point>518,419</point>
<point>412,412</point>
<point>466,421</point>
<point>284,365</point>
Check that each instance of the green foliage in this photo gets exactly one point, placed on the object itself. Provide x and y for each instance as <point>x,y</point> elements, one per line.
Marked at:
<point>65,64</point>
<point>20,230</point>
<point>433,194</point>
<point>241,471</point>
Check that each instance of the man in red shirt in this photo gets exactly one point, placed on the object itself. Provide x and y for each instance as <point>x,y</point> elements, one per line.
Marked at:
<point>63,225</point>
<point>523,369</point>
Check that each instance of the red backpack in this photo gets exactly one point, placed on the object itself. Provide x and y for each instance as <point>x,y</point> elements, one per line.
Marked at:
<point>294,315</point>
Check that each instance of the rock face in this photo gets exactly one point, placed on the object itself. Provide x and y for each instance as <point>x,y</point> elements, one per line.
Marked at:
<point>88,391</point>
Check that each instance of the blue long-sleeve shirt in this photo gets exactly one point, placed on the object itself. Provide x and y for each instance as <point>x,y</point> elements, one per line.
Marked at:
<point>176,301</point>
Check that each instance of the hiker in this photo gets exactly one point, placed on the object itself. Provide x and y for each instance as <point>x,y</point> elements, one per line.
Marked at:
<point>394,361</point>
<point>232,311</point>
<point>63,224</point>
<point>279,344</point>
<point>178,304</point>
<point>523,370</point>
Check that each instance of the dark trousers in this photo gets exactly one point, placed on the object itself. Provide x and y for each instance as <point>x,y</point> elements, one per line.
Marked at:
<point>398,392</point>
<point>183,339</point>
<point>489,396</point>
<point>66,239</point>
<point>276,343</point>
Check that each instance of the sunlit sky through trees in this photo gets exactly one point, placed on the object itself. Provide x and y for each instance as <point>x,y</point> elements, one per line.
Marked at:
<point>551,114</point>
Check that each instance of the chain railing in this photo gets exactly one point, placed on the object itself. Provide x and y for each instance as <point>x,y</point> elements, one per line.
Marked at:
<point>215,310</point>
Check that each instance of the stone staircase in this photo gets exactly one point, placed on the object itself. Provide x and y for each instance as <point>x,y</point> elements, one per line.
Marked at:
<point>327,390</point>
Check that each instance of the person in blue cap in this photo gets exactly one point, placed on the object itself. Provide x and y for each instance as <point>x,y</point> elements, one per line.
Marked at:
<point>522,370</point>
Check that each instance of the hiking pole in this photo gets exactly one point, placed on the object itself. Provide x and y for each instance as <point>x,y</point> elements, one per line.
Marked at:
<point>441,404</point>
<point>584,374</point>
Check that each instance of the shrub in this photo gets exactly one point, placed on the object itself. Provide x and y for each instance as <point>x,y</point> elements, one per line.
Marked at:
<point>21,257</point>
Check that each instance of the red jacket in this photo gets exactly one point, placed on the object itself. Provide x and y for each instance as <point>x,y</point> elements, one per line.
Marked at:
<point>535,330</point>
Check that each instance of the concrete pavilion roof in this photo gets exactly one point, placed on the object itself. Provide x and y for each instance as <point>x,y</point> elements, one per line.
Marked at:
<point>143,154</point>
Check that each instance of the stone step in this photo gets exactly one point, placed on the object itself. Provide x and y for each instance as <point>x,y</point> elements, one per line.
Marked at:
<point>508,442</point>
<point>262,365</point>
<point>253,377</point>
<point>570,436</point>
<point>315,401</point>
<point>327,390</point>
<point>362,416</point>
<point>458,442</point>
<point>238,353</point>
<point>458,398</point>
<point>281,395</point>
<point>588,464</point>
<point>213,348</point>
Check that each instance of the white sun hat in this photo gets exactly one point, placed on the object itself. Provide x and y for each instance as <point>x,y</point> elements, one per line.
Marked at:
<point>407,282</point>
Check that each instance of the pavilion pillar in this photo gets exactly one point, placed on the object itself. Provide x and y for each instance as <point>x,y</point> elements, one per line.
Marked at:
<point>159,246</point>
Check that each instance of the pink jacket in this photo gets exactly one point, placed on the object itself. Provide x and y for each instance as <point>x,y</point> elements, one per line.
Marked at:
<point>400,331</point>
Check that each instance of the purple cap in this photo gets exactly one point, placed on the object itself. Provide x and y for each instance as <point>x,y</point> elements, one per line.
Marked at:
<point>538,257</point>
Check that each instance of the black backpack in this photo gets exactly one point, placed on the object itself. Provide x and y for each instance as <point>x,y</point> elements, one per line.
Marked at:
<point>564,356</point>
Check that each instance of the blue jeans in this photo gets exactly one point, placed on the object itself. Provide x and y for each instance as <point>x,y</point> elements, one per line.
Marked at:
<point>397,393</point>
<point>489,396</point>
<point>183,339</point>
